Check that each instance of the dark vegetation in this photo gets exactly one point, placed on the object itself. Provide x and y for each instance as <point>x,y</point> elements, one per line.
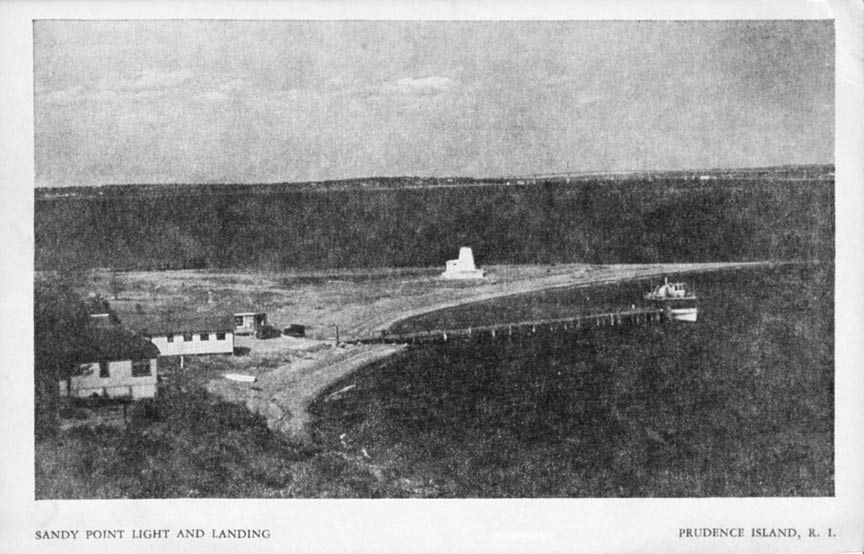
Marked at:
<point>64,336</point>
<point>188,444</point>
<point>738,404</point>
<point>61,325</point>
<point>664,218</point>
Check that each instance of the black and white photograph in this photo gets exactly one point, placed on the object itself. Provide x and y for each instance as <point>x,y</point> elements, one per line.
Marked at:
<point>433,260</point>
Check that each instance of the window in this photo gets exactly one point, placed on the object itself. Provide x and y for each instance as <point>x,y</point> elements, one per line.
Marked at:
<point>103,369</point>
<point>205,336</point>
<point>238,321</point>
<point>220,335</point>
<point>140,368</point>
<point>170,337</point>
<point>187,337</point>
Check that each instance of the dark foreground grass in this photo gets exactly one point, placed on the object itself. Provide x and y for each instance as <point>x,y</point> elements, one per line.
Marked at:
<point>739,404</point>
<point>188,444</point>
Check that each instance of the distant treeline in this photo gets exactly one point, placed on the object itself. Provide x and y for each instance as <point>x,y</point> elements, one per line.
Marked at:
<point>636,220</point>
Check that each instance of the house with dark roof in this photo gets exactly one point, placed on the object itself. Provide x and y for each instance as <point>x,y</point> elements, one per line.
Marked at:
<point>185,334</point>
<point>113,363</point>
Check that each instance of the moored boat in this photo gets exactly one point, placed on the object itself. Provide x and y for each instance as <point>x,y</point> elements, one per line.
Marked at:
<point>676,299</point>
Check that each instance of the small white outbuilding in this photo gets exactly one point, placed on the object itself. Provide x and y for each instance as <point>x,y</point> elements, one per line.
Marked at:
<point>463,267</point>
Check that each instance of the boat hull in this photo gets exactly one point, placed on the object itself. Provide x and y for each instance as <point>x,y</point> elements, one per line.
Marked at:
<point>683,314</point>
<point>677,301</point>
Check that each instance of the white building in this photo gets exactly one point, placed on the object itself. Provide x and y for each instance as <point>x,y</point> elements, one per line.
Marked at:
<point>248,323</point>
<point>117,364</point>
<point>463,267</point>
<point>185,334</point>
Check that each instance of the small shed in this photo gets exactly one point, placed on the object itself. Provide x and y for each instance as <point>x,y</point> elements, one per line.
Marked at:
<point>248,323</point>
<point>114,363</point>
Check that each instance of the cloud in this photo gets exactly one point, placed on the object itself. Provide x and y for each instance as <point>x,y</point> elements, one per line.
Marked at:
<point>213,96</point>
<point>581,90</point>
<point>424,85</point>
<point>75,94</point>
<point>148,79</point>
<point>561,80</point>
<point>230,89</point>
<point>65,96</point>
<point>146,85</point>
<point>234,86</point>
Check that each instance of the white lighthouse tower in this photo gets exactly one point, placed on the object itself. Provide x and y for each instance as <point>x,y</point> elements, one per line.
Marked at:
<point>463,267</point>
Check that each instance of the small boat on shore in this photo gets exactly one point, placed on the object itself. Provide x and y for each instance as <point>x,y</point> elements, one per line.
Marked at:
<point>676,299</point>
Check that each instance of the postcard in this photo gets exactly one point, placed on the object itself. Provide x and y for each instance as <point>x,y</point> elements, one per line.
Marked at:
<point>446,277</point>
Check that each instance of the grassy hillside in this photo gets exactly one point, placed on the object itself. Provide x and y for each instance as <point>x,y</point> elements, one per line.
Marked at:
<point>636,220</point>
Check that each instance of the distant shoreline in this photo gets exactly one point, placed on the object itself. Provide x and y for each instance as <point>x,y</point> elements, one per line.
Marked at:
<point>108,190</point>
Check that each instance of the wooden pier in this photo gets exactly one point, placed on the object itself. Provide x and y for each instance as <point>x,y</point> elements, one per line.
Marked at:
<point>624,317</point>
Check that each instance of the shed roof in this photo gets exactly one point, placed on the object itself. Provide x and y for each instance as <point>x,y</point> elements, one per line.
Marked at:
<point>234,305</point>
<point>113,344</point>
<point>170,322</point>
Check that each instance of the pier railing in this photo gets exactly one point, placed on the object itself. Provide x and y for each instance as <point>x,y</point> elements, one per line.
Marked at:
<point>629,317</point>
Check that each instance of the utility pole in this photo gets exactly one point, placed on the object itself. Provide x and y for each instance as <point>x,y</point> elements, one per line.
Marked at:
<point>115,288</point>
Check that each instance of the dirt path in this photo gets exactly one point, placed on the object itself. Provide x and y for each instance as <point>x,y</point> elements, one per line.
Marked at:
<point>284,394</point>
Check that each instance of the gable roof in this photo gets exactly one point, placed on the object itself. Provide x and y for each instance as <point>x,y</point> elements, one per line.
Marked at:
<point>114,344</point>
<point>177,323</point>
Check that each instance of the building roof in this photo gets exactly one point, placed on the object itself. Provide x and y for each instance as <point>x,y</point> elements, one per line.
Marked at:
<point>113,344</point>
<point>177,323</point>
<point>234,305</point>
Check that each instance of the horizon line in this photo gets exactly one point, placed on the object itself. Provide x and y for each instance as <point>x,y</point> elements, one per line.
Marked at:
<point>529,176</point>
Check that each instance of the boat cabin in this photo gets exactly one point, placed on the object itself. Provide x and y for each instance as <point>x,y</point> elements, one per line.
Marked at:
<point>669,291</point>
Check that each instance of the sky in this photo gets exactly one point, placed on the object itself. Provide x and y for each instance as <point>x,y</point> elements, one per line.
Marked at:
<point>275,101</point>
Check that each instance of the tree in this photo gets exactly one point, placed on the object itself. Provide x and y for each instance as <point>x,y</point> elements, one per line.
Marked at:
<point>60,323</point>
